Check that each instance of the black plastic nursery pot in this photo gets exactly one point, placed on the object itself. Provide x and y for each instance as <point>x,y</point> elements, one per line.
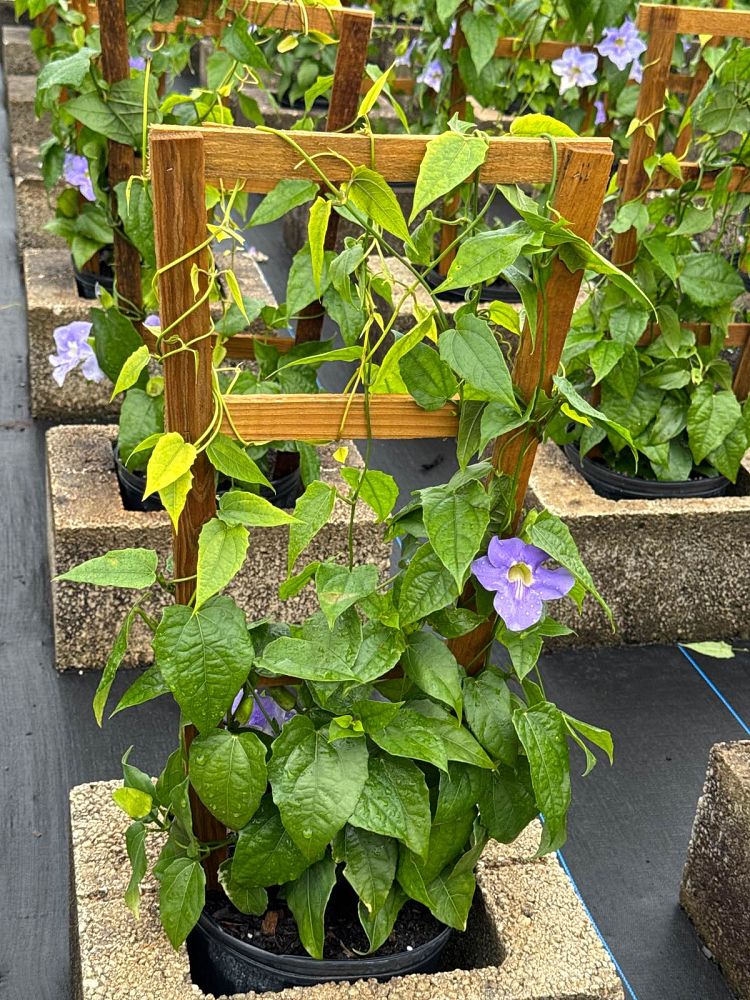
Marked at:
<point>86,281</point>
<point>223,964</point>
<point>617,486</point>
<point>288,487</point>
<point>498,291</point>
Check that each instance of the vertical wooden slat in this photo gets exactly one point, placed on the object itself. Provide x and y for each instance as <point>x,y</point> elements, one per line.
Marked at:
<point>121,159</point>
<point>351,60</point>
<point>457,107</point>
<point>657,62</point>
<point>702,73</point>
<point>581,186</point>
<point>177,170</point>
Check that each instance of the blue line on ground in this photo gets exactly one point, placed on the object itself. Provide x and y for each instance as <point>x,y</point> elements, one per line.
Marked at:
<point>577,891</point>
<point>722,698</point>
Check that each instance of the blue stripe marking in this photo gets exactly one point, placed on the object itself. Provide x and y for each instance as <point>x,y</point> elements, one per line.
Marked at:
<point>594,924</point>
<point>725,702</point>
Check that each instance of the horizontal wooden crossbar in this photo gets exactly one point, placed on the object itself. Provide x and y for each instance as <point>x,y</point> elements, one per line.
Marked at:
<point>241,347</point>
<point>694,20</point>
<point>737,333</point>
<point>331,416</point>
<point>664,181</point>
<point>277,14</point>
<point>259,160</point>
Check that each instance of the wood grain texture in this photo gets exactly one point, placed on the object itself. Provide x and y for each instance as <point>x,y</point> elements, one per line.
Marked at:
<point>581,186</point>
<point>695,20</point>
<point>121,158</point>
<point>348,74</point>
<point>179,227</point>
<point>281,16</point>
<point>324,417</point>
<point>737,333</point>
<point>663,181</point>
<point>241,347</point>
<point>260,159</point>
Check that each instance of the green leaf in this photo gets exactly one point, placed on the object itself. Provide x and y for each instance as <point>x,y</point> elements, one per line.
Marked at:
<point>131,370</point>
<point>719,650</point>
<point>457,741</point>
<point>427,586</point>
<point>174,496</point>
<point>149,685</point>
<point>315,784</point>
<point>483,257</point>
<point>395,802</point>
<point>506,805</point>
<point>469,438</point>
<point>541,730</point>
<point>119,648</point>
<point>456,521</point>
<point>401,347</point>
<point>538,125</point>
<point>115,340</point>
<point>407,734</point>
<point>133,569</point>
<point>170,460</point>
<point>339,587</point>
<point>427,377</point>
<point>247,900</point>
<point>120,116</point>
<point>378,926</point>
<point>371,861</point>
<point>134,802</point>
<point>581,406</point>
<point>182,895</point>
<point>434,669</point>
<point>294,584</point>
<point>229,458</point>
<point>377,489</point>
<point>317,227</point>
<point>221,553</point>
<point>141,417</point>
<point>228,771</point>
<point>604,357</point>
<point>135,842</point>
<point>474,354</point>
<point>488,710</point>
<point>301,289</point>
<point>553,536</point>
<point>239,507</point>
<point>287,194</point>
<point>307,898</point>
<point>311,513</point>
<point>452,894</point>
<point>711,417</point>
<point>238,41</point>
<point>369,192</point>
<point>709,280</point>
<point>448,160</point>
<point>69,71</point>
<point>447,840</point>
<point>265,853</point>
<point>205,657</point>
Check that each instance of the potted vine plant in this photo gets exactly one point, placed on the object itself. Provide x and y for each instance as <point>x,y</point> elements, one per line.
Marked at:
<point>672,391</point>
<point>353,767</point>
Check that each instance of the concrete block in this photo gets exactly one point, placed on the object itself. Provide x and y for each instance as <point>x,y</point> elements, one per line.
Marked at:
<point>671,570</point>
<point>25,128</point>
<point>529,937</point>
<point>715,889</point>
<point>17,53</point>
<point>35,206</point>
<point>87,518</point>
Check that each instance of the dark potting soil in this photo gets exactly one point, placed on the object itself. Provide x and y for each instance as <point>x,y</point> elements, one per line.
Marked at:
<point>276,931</point>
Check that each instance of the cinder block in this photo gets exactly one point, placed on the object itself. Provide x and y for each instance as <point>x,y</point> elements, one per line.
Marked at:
<point>671,570</point>
<point>35,206</point>
<point>87,518</point>
<point>25,128</point>
<point>715,889</point>
<point>18,55</point>
<point>529,937</point>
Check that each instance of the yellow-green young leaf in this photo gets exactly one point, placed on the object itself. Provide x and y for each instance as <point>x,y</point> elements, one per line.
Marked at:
<point>341,453</point>
<point>448,160</point>
<point>221,553</point>
<point>377,489</point>
<point>404,344</point>
<point>671,164</point>
<point>174,496</point>
<point>171,458</point>
<point>134,569</point>
<point>133,802</point>
<point>287,44</point>
<point>238,507</point>
<point>370,193</point>
<point>320,213</point>
<point>719,650</point>
<point>132,368</point>
<point>535,125</point>
<point>234,290</point>
<point>568,410</point>
<point>228,457</point>
<point>503,314</point>
<point>368,101</point>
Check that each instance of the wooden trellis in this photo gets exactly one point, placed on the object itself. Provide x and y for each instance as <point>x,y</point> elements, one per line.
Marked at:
<point>184,160</point>
<point>663,24</point>
<point>201,19</point>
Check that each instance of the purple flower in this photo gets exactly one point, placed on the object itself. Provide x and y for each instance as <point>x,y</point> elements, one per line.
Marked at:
<point>575,68</point>
<point>152,320</point>
<point>622,45</point>
<point>73,349</point>
<point>405,59</point>
<point>636,72</point>
<point>601,112</point>
<point>137,62</point>
<point>271,709</point>
<point>451,35</point>
<point>515,571</point>
<point>76,173</point>
<point>432,75</point>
